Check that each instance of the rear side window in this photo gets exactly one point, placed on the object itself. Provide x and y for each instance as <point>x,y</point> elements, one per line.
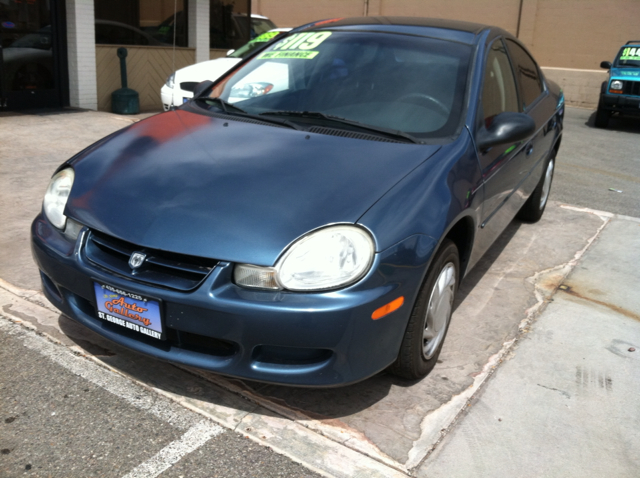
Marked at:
<point>499,94</point>
<point>527,74</point>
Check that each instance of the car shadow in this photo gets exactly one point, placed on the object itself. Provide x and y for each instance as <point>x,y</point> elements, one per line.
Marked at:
<point>617,123</point>
<point>476,274</point>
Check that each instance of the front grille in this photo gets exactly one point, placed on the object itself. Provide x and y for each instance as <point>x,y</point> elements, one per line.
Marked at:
<point>631,88</point>
<point>160,268</point>
<point>188,85</point>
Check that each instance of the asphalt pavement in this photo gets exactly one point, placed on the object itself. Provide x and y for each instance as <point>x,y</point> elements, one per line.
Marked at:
<point>599,168</point>
<point>63,416</point>
<point>539,374</point>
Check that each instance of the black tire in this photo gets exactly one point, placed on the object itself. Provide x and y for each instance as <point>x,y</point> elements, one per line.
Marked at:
<point>418,356</point>
<point>532,210</point>
<point>602,118</point>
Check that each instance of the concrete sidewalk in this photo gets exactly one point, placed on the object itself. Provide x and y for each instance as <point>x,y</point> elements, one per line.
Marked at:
<point>567,400</point>
<point>533,380</point>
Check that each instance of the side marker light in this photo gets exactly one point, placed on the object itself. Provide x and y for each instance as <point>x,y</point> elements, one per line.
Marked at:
<point>388,308</point>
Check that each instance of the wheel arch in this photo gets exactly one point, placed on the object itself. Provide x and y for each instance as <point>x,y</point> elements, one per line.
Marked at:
<point>462,234</point>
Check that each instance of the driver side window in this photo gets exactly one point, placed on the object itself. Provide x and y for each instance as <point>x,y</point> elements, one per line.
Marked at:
<point>499,94</point>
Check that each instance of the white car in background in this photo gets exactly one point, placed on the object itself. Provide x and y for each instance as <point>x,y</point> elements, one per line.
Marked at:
<point>179,86</point>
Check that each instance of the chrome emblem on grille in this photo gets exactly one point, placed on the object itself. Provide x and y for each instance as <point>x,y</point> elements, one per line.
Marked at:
<point>136,260</point>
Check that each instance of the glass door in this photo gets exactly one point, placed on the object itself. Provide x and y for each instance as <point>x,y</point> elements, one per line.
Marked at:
<point>29,72</point>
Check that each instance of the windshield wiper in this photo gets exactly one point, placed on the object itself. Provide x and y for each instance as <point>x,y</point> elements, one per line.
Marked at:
<point>232,109</point>
<point>341,120</point>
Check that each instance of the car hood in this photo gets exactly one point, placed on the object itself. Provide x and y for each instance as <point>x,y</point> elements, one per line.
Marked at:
<point>206,70</point>
<point>625,73</point>
<point>229,190</point>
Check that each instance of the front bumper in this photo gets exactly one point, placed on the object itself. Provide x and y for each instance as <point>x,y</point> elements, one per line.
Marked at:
<point>303,339</point>
<point>623,104</point>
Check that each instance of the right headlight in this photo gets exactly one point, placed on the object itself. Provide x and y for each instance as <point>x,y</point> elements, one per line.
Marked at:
<point>55,199</point>
<point>328,258</point>
<point>171,80</point>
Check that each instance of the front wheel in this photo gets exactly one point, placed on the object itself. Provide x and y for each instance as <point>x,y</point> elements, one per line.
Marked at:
<point>602,118</point>
<point>430,317</point>
<point>534,207</point>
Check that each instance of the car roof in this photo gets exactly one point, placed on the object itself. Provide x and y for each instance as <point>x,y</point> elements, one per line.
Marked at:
<point>465,32</point>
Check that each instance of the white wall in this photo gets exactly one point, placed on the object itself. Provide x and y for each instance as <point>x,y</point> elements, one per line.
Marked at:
<point>199,28</point>
<point>81,41</point>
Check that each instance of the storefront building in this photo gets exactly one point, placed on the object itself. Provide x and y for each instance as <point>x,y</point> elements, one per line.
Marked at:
<point>59,53</point>
<point>63,52</point>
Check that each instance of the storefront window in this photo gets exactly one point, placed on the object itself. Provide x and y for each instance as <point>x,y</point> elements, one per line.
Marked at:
<point>141,22</point>
<point>228,23</point>
<point>153,23</point>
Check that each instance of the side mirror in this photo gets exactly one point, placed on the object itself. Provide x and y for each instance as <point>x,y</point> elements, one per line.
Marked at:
<point>506,128</point>
<point>202,87</point>
<point>606,65</point>
<point>230,52</point>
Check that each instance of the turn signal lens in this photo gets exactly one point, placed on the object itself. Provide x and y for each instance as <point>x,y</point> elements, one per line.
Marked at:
<point>388,308</point>
<point>255,277</point>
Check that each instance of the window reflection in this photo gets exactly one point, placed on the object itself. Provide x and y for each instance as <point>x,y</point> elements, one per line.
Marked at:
<point>27,55</point>
<point>141,22</point>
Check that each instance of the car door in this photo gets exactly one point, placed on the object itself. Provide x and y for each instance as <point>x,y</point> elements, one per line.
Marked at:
<point>534,102</point>
<point>502,166</point>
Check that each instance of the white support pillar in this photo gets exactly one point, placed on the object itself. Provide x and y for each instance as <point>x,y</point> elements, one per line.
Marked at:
<point>199,28</point>
<point>81,41</point>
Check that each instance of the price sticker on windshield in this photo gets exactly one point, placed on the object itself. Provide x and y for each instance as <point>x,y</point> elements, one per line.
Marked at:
<point>265,37</point>
<point>630,54</point>
<point>298,45</point>
<point>305,55</point>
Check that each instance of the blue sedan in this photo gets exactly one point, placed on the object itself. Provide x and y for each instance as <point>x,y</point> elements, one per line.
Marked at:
<point>307,219</point>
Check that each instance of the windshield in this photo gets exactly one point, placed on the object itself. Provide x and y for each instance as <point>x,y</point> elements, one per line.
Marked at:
<point>628,56</point>
<point>261,25</point>
<point>258,25</point>
<point>254,44</point>
<point>405,83</point>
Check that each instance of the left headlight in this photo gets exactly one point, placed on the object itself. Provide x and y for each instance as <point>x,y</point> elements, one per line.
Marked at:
<point>616,85</point>
<point>55,199</point>
<point>328,258</point>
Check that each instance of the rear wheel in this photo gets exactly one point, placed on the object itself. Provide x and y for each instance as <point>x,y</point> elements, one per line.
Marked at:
<point>430,317</point>
<point>534,207</point>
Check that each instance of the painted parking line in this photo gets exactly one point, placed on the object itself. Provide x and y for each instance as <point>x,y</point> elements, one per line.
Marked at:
<point>119,386</point>
<point>195,437</point>
<point>198,431</point>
